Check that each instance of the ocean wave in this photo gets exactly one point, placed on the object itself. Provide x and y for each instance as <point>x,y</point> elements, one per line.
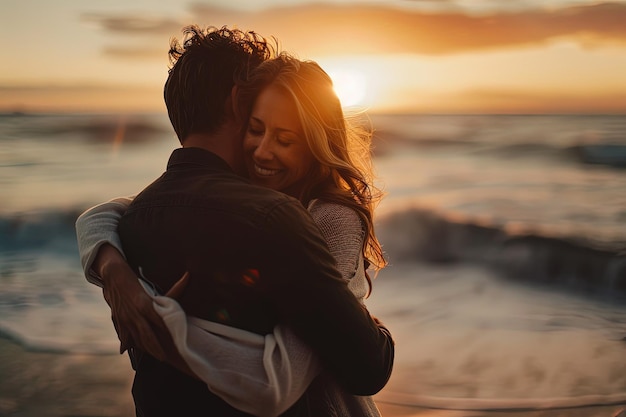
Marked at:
<point>94,128</point>
<point>415,234</point>
<point>607,153</point>
<point>46,304</point>
<point>573,262</point>
<point>116,130</point>
<point>603,153</point>
<point>611,154</point>
<point>50,230</point>
<point>580,139</point>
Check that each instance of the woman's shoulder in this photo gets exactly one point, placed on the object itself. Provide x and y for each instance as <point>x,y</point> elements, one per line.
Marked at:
<point>334,213</point>
<point>319,205</point>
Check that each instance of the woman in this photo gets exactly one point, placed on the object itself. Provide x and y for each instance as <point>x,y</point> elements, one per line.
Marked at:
<point>297,141</point>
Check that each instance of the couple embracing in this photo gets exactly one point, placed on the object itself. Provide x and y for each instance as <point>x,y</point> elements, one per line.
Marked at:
<point>266,212</point>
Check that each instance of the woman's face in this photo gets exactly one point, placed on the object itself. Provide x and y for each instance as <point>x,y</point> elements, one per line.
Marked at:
<point>276,153</point>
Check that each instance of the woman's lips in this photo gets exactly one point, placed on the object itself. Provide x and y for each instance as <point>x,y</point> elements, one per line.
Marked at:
<point>265,172</point>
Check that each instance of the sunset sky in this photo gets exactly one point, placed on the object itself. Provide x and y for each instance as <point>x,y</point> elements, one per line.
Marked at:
<point>431,56</point>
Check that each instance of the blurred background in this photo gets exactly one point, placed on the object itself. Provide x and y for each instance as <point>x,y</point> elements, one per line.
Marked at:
<point>499,139</point>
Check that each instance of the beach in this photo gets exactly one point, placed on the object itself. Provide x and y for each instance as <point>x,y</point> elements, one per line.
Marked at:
<point>40,384</point>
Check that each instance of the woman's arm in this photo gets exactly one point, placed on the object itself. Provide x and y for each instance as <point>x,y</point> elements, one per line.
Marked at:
<point>133,316</point>
<point>98,226</point>
<point>343,231</point>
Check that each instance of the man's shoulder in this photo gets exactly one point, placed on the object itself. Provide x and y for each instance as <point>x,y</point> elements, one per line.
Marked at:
<point>220,192</point>
<point>277,206</point>
<point>254,196</point>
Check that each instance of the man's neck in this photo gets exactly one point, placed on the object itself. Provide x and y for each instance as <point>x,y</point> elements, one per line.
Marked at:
<point>225,143</point>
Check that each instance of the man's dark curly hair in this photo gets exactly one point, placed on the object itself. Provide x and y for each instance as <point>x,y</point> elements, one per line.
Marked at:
<point>204,69</point>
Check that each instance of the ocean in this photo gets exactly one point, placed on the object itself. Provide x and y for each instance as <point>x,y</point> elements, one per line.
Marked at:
<point>506,239</point>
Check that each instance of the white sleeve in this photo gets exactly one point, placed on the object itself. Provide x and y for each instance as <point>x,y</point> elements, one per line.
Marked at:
<point>98,226</point>
<point>260,375</point>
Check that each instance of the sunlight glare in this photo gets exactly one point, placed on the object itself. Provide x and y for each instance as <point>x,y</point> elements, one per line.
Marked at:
<point>350,86</point>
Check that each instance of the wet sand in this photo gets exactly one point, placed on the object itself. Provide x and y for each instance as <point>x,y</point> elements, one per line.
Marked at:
<point>44,384</point>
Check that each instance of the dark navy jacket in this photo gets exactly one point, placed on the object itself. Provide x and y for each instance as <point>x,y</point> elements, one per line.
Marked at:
<point>256,259</point>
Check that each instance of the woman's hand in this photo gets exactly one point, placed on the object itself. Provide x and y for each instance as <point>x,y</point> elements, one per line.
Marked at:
<point>136,322</point>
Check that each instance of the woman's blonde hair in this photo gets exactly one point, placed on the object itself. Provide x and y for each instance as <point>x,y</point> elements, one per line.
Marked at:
<point>341,145</point>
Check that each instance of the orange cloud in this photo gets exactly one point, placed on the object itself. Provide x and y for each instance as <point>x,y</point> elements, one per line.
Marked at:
<point>324,29</point>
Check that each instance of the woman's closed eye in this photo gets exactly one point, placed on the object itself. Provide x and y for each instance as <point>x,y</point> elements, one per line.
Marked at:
<point>284,141</point>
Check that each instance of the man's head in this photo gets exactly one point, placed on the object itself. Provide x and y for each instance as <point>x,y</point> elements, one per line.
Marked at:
<point>204,70</point>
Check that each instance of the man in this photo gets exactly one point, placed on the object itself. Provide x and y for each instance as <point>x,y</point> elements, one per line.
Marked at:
<point>254,256</point>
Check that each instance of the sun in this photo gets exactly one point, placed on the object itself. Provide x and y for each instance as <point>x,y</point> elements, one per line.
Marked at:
<point>350,86</point>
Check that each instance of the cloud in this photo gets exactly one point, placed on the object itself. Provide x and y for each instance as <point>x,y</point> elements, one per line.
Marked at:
<point>325,29</point>
<point>153,32</point>
<point>136,52</point>
<point>375,29</point>
<point>133,24</point>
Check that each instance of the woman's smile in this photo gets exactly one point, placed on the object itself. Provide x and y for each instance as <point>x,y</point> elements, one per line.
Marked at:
<point>265,172</point>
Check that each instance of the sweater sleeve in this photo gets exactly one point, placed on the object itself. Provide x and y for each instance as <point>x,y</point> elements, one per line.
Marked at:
<point>97,226</point>
<point>343,231</point>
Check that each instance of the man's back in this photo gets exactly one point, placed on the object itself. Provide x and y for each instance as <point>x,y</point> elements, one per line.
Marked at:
<point>255,259</point>
<point>213,224</point>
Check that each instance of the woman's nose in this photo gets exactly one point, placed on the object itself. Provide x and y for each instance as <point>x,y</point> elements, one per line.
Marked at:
<point>264,148</point>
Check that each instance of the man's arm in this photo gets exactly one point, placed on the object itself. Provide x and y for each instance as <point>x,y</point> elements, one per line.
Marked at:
<point>314,300</point>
